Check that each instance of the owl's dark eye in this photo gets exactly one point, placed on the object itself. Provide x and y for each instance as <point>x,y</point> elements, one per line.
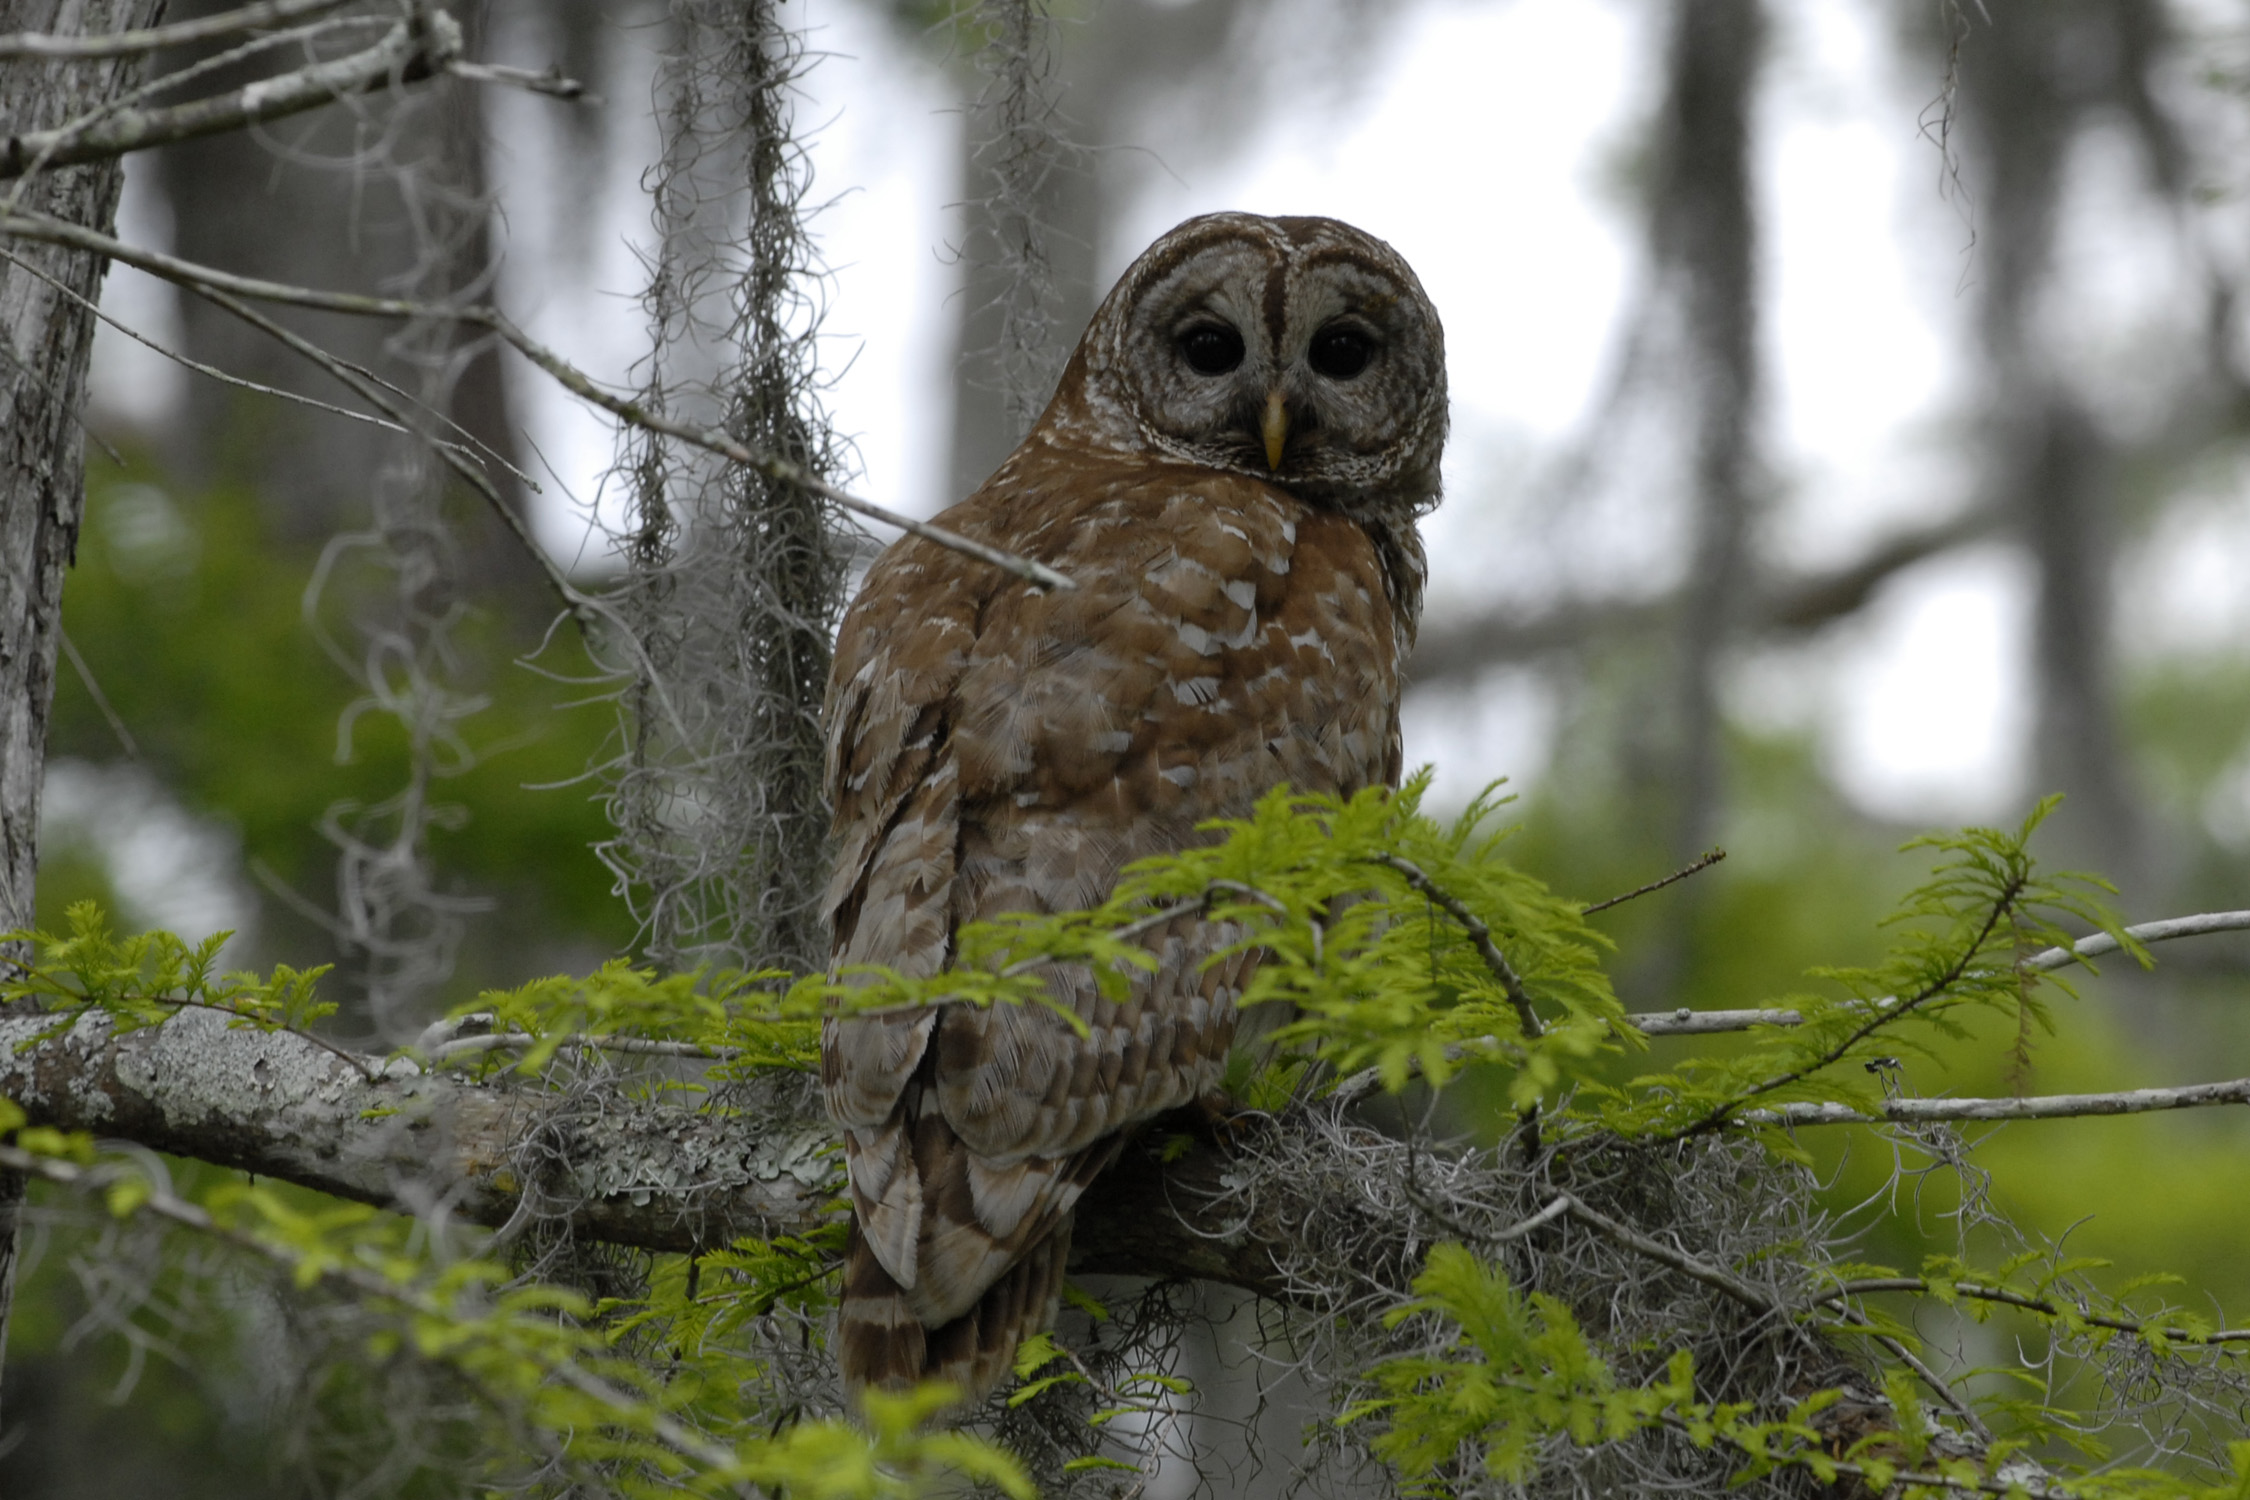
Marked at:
<point>1340,353</point>
<point>1211,348</point>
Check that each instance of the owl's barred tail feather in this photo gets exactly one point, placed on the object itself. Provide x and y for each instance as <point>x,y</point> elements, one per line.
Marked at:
<point>881,1344</point>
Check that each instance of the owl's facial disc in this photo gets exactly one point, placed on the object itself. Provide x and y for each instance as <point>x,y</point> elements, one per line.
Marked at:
<point>1302,352</point>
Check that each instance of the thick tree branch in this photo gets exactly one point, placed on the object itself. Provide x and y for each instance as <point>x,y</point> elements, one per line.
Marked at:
<point>651,1174</point>
<point>640,1173</point>
<point>662,1176</point>
<point>408,53</point>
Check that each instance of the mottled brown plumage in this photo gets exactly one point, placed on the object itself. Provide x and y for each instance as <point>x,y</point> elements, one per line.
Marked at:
<point>1230,469</point>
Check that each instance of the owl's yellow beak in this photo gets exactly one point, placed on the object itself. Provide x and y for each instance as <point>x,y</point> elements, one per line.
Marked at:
<point>1275,429</point>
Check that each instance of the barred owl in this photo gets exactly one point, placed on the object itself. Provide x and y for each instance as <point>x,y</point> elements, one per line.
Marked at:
<point>1231,470</point>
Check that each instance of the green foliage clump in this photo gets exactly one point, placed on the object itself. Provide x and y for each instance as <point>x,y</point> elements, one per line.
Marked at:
<point>535,1353</point>
<point>1406,948</point>
<point>147,979</point>
<point>1962,939</point>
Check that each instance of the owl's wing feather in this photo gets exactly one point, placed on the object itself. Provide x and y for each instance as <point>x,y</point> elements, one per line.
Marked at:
<point>999,749</point>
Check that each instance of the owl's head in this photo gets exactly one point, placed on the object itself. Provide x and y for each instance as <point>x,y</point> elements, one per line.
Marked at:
<point>1301,351</point>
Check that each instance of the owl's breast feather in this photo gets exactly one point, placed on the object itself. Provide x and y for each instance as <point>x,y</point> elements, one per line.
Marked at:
<point>1224,637</point>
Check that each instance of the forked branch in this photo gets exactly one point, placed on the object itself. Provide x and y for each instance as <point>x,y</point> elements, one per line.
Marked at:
<point>157,38</point>
<point>409,52</point>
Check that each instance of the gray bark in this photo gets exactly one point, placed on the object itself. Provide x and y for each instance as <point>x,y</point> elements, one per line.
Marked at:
<point>408,54</point>
<point>42,449</point>
<point>643,1173</point>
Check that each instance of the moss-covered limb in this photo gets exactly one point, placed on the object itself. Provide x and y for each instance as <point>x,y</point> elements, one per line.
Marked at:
<point>654,1175</point>
<point>650,1174</point>
<point>644,1173</point>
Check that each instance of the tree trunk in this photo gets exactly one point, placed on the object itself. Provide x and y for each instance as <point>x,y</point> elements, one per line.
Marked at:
<point>2034,79</point>
<point>42,449</point>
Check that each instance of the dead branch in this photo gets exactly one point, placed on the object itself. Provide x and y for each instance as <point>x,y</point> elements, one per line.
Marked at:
<point>549,81</point>
<point>206,279</point>
<point>2032,1107</point>
<point>1685,1022</point>
<point>1693,867</point>
<point>408,53</point>
<point>644,1173</point>
<point>2045,1306</point>
<point>156,38</point>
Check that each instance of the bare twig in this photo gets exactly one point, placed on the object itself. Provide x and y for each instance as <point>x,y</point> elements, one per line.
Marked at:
<point>1480,935</point>
<point>714,440</point>
<point>1889,1481</point>
<point>1881,1015</point>
<point>371,391</point>
<point>212,372</point>
<point>583,607</point>
<point>209,279</point>
<point>2035,1107</point>
<point>1522,1227</point>
<point>2199,925</point>
<point>156,38</point>
<point>1685,1022</point>
<point>408,53</point>
<point>548,81</point>
<point>632,1046</point>
<point>1130,930</point>
<point>101,699</point>
<point>2042,1305</point>
<point>1936,1383</point>
<point>1705,863</point>
<point>1717,1277</point>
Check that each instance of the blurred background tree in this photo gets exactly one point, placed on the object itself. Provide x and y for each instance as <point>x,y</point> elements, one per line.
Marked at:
<point>1699,588</point>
